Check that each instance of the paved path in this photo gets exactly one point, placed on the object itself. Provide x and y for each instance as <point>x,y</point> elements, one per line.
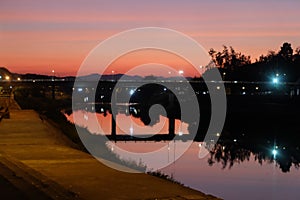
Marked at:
<point>33,151</point>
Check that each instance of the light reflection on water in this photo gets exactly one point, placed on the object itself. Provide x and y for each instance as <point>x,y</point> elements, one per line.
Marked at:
<point>244,180</point>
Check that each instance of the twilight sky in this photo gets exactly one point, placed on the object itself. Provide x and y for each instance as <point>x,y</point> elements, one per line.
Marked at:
<point>40,35</point>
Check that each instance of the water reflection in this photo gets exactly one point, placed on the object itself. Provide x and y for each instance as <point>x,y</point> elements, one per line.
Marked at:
<point>100,123</point>
<point>244,180</point>
<point>231,148</point>
<point>239,166</point>
<point>260,141</point>
<point>230,152</point>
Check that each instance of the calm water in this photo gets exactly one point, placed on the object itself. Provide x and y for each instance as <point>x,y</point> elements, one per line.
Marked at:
<point>246,179</point>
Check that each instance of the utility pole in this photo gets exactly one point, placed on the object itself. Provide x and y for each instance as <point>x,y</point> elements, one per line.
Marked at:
<point>53,85</point>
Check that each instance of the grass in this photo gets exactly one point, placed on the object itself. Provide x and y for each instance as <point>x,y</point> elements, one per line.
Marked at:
<point>162,175</point>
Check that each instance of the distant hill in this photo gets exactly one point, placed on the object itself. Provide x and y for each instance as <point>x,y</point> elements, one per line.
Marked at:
<point>91,77</point>
<point>4,72</point>
<point>35,76</point>
<point>95,77</point>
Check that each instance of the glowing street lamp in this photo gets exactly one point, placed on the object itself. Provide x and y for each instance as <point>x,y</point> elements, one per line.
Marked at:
<point>112,75</point>
<point>131,92</point>
<point>53,74</point>
<point>275,80</point>
<point>7,78</point>
<point>181,72</point>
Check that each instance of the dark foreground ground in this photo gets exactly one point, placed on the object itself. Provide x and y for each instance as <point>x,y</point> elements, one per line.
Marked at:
<point>37,163</point>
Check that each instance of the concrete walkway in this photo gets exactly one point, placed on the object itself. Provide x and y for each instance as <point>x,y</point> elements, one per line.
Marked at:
<point>33,150</point>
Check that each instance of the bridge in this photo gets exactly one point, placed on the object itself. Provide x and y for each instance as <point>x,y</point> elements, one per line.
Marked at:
<point>200,87</point>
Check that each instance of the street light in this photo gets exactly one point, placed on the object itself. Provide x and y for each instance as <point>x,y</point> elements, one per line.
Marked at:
<point>180,72</point>
<point>53,85</point>
<point>7,78</point>
<point>131,92</point>
<point>53,74</point>
<point>275,80</point>
<point>112,76</point>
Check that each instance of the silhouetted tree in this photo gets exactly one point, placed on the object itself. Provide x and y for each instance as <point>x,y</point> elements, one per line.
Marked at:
<point>296,57</point>
<point>286,51</point>
<point>229,60</point>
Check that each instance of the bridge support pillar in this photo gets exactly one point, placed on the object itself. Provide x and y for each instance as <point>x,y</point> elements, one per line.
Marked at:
<point>113,126</point>
<point>171,126</point>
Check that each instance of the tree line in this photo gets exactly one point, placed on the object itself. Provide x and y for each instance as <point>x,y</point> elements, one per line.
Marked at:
<point>233,65</point>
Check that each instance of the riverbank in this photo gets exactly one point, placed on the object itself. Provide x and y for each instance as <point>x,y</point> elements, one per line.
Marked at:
<point>39,156</point>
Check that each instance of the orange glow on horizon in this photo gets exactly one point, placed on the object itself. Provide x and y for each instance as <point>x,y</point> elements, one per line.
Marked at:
<point>138,58</point>
<point>38,36</point>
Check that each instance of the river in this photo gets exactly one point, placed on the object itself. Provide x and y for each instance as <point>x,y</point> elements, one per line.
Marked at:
<point>243,174</point>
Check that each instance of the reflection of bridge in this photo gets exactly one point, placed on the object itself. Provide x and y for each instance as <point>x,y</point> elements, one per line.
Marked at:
<point>170,135</point>
<point>156,137</point>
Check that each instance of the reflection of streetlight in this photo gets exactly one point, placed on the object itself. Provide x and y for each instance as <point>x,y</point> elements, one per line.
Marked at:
<point>180,129</point>
<point>131,130</point>
<point>274,152</point>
